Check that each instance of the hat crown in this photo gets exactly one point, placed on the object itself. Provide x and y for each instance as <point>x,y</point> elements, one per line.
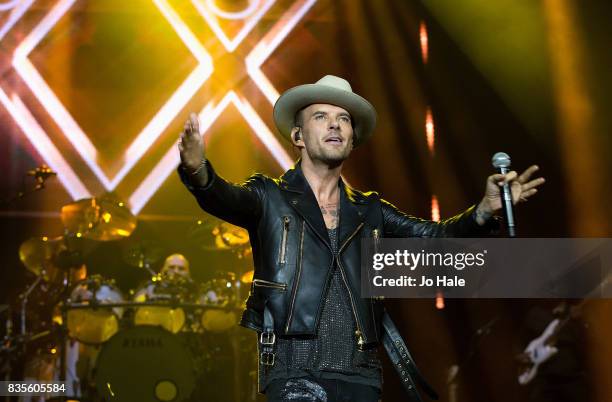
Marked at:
<point>335,82</point>
<point>331,90</point>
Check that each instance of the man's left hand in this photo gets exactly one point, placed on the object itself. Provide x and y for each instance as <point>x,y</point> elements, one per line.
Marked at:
<point>521,187</point>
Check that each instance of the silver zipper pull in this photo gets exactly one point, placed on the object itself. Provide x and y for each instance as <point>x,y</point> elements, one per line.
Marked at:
<point>283,251</point>
<point>376,237</point>
<point>360,341</point>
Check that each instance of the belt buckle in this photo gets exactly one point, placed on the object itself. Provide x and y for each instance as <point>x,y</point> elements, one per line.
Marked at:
<point>266,358</point>
<point>267,338</point>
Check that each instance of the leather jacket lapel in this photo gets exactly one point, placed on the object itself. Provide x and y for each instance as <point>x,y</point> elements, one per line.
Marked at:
<point>300,196</point>
<point>353,206</point>
<point>352,213</point>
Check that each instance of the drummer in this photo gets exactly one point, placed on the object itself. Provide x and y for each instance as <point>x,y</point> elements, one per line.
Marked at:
<point>176,266</point>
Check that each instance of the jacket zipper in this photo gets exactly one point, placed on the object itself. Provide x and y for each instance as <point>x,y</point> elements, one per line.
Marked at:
<point>267,284</point>
<point>283,250</point>
<point>297,279</point>
<point>359,332</point>
<point>376,236</point>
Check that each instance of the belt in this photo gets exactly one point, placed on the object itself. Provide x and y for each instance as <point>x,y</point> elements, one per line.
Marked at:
<point>403,362</point>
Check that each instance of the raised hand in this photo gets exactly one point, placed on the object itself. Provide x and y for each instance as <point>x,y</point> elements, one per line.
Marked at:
<point>191,146</point>
<point>521,187</point>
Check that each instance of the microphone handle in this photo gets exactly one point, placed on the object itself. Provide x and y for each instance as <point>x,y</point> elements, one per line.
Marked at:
<point>507,204</point>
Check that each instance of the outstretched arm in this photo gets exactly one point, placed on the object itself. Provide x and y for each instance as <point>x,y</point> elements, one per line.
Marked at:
<point>475,221</point>
<point>399,224</point>
<point>239,204</point>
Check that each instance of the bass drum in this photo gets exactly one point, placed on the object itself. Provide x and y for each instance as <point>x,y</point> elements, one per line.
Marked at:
<point>145,364</point>
<point>96,324</point>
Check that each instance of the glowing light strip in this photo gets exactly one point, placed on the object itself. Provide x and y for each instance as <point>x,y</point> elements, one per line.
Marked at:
<point>207,117</point>
<point>39,32</point>
<point>424,41</point>
<point>154,180</point>
<point>435,209</point>
<point>16,14</point>
<point>40,141</point>
<point>430,133</point>
<point>232,44</point>
<point>71,129</point>
<point>262,131</point>
<point>61,116</point>
<point>8,5</point>
<point>270,42</point>
<point>189,39</point>
<point>179,98</point>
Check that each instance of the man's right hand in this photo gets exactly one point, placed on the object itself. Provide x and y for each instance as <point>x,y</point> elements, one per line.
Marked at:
<point>191,146</point>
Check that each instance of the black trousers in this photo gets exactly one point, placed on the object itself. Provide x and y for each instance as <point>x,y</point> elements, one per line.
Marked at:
<point>309,389</point>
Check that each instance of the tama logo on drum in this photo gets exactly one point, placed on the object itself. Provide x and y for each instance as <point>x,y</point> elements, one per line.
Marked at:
<point>142,342</point>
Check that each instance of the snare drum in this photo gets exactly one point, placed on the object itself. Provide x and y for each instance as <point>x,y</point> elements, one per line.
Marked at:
<point>95,324</point>
<point>169,294</point>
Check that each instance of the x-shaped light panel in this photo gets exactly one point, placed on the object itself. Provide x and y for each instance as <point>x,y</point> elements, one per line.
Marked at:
<point>165,115</point>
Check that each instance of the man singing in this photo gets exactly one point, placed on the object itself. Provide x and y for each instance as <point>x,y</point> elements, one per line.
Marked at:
<point>317,336</point>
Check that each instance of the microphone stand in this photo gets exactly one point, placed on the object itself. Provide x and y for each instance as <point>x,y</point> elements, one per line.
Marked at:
<point>40,184</point>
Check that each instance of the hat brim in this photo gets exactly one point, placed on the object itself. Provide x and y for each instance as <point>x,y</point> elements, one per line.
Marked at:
<point>361,111</point>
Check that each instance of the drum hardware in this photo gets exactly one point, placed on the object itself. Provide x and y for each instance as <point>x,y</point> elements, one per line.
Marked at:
<point>95,299</point>
<point>24,302</point>
<point>169,294</point>
<point>142,254</point>
<point>40,175</point>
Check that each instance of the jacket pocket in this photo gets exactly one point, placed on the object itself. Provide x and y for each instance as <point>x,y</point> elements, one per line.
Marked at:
<point>269,284</point>
<point>282,253</point>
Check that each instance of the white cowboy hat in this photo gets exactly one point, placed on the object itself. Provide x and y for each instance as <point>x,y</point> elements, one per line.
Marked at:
<point>329,90</point>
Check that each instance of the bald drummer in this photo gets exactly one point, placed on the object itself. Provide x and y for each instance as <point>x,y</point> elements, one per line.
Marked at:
<point>176,266</point>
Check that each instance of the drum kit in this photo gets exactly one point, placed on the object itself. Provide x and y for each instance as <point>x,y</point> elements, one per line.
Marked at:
<point>159,342</point>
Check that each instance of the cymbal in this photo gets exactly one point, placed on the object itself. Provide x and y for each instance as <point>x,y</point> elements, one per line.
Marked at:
<point>216,235</point>
<point>247,277</point>
<point>102,219</point>
<point>36,253</point>
<point>230,236</point>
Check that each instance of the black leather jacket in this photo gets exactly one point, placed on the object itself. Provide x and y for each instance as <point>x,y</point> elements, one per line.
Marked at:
<point>291,248</point>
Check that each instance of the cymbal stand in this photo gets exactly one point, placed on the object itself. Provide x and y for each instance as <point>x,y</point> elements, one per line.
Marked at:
<point>24,302</point>
<point>144,263</point>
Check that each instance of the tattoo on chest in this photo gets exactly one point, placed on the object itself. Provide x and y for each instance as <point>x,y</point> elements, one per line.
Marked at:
<point>330,214</point>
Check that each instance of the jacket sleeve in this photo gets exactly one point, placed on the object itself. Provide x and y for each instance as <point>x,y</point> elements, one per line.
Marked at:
<point>238,204</point>
<point>399,224</point>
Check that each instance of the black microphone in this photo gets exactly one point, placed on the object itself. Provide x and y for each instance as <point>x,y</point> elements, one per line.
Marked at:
<point>501,161</point>
<point>41,174</point>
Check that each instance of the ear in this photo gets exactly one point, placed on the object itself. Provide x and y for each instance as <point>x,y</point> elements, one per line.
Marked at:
<point>297,137</point>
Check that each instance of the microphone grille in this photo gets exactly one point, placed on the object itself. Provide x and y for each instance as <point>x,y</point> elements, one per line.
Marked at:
<point>500,159</point>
